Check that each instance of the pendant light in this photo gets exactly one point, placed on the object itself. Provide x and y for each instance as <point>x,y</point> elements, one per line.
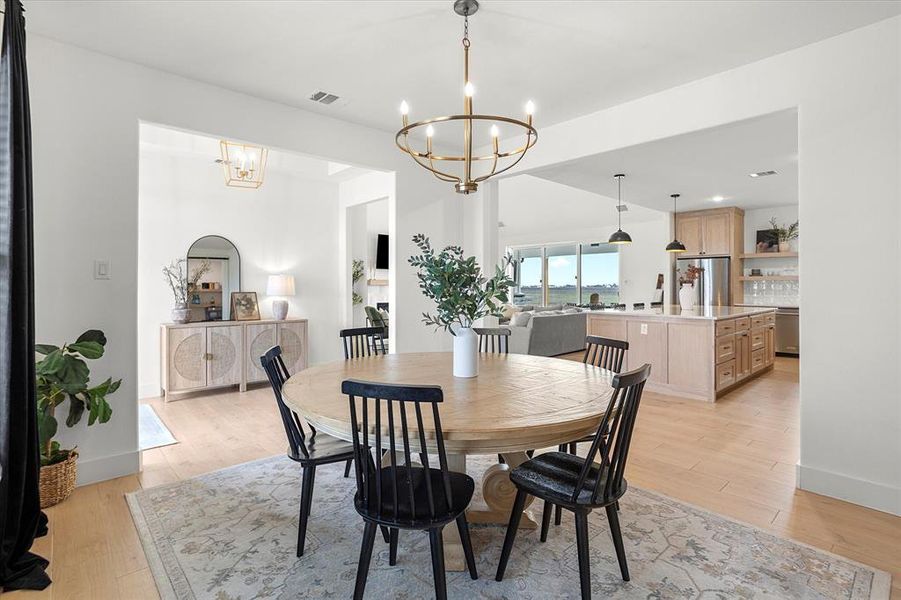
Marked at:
<point>619,236</point>
<point>675,246</point>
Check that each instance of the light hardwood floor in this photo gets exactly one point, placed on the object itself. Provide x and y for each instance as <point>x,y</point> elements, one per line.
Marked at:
<point>735,457</point>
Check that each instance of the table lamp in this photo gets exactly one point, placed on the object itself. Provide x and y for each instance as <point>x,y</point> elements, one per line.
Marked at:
<point>280,286</point>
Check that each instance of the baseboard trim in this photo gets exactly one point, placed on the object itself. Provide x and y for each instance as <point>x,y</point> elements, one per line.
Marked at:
<point>108,467</point>
<point>844,487</point>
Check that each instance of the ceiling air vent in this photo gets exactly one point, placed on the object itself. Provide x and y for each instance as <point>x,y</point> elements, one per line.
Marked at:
<point>622,208</point>
<point>762,174</point>
<point>323,97</point>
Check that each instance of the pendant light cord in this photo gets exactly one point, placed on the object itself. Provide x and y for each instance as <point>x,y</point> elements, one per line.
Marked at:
<point>619,202</point>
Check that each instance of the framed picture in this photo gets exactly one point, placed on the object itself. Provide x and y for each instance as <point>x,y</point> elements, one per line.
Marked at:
<point>767,241</point>
<point>244,306</point>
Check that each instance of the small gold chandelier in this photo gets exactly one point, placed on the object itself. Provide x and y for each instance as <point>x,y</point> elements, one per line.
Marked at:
<point>467,182</point>
<point>244,164</point>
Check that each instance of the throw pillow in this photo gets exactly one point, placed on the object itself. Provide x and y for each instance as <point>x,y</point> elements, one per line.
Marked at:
<point>508,311</point>
<point>520,319</point>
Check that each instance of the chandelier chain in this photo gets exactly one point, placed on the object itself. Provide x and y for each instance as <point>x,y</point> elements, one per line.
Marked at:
<point>466,30</point>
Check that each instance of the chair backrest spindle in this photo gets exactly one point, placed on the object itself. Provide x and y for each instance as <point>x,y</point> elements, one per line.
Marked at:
<point>277,373</point>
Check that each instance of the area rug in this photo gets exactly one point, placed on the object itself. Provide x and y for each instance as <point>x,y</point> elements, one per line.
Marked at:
<point>152,433</point>
<point>231,535</point>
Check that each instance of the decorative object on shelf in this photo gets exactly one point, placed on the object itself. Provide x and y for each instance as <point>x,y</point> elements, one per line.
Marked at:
<point>243,164</point>
<point>687,287</point>
<point>244,306</point>
<point>63,375</point>
<point>675,246</point>
<point>461,294</point>
<point>179,282</point>
<point>356,273</point>
<point>784,234</point>
<point>280,286</point>
<point>619,236</point>
<point>467,182</point>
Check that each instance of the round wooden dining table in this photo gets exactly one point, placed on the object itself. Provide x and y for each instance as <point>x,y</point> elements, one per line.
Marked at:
<point>517,403</point>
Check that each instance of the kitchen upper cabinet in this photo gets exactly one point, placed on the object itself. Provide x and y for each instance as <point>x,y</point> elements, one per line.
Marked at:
<point>689,232</point>
<point>718,231</point>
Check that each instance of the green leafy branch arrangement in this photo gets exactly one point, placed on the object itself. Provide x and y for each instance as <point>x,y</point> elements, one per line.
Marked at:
<point>461,292</point>
<point>357,275</point>
<point>784,233</point>
<point>63,375</point>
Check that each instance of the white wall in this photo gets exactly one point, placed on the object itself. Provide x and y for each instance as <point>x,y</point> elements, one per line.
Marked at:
<point>86,108</point>
<point>536,211</point>
<point>847,93</point>
<point>275,228</point>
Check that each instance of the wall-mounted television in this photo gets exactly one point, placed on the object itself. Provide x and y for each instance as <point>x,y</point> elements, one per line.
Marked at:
<point>381,253</point>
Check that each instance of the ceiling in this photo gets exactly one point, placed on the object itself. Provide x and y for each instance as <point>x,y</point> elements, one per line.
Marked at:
<point>699,165</point>
<point>183,143</point>
<point>571,58</point>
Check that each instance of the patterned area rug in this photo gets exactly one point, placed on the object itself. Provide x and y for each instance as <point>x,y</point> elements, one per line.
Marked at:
<point>230,535</point>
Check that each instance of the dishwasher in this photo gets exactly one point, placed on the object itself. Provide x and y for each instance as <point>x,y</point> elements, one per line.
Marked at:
<point>787,339</point>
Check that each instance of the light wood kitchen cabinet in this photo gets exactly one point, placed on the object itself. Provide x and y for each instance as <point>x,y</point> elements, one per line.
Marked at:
<point>742,354</point>
<point>700,354</point>
<point>689,232</point>
<point>214,354</point>
<point>718,232</point>
<point>770,345</point>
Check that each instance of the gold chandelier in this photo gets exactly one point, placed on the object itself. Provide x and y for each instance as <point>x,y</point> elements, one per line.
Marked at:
<point>467,182</point>
<point>244,164</point>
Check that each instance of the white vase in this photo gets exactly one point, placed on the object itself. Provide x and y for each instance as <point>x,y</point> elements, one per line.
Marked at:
<point>466,352</point>
<point>687,296</point>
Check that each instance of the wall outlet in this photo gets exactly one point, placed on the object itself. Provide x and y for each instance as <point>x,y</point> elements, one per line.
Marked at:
<point>644,329</point>
<point>101,269</point>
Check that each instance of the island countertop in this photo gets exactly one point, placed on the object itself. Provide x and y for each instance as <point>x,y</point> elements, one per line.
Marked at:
<point>674,311</point>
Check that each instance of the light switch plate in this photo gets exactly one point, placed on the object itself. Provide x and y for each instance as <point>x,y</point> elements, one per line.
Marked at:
<point>101,269</point>
<point>644,329</point>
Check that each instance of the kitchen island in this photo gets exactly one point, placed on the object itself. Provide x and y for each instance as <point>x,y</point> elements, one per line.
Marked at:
<point>701,353</point>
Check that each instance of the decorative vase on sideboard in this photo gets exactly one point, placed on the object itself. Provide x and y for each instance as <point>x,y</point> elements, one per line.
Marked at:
<point>687,296</point>
<point>181,313</point>
<point>466,352</point>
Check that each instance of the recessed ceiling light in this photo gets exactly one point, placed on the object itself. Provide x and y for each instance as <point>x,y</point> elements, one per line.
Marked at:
<point>718,198</point>
<point>762,174</point>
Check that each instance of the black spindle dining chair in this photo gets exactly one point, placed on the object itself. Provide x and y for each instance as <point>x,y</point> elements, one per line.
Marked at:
<point>363,341</point>
<point>605,353</point>
<point>583,484</point>
<point>493,340</point>
<point>311,450</point>
<point>404,496</point>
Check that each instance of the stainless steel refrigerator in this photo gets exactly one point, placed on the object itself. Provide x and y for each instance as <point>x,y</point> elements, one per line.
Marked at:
<point>713,286</point>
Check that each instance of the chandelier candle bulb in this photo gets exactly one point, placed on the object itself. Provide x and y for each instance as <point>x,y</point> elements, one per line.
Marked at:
<point>469,89</point>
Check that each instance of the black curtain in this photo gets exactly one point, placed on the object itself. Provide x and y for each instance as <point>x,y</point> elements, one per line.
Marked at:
<point>20,513</point>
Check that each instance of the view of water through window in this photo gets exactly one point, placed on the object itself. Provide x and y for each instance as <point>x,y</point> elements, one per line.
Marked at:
<point>551,274</point>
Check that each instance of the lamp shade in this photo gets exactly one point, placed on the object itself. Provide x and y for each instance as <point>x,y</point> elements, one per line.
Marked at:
<point>280,285</point>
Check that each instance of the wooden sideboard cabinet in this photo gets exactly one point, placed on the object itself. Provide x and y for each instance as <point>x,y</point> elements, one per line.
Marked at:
<point>215,354</point>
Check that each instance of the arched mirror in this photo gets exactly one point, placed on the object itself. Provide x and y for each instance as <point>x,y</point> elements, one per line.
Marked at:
<point>209,299</point>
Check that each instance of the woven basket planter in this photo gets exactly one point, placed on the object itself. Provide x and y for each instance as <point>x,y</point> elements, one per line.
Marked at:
<point>58,480</point>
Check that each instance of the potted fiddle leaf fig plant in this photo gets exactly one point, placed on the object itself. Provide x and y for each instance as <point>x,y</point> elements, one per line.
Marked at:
<point>63,375</point>
<point>461,294</point>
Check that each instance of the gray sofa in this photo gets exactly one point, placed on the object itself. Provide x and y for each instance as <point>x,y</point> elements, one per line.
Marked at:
<point>549,334</point>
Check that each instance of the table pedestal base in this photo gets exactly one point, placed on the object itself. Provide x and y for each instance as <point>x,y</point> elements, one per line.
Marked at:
<point>498,492</point>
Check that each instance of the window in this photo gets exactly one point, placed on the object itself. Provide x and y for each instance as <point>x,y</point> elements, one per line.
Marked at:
<point>600,274</point>
<point>566,273</point>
